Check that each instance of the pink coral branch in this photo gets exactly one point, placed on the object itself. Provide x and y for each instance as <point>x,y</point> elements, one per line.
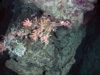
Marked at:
<point>27,23</point>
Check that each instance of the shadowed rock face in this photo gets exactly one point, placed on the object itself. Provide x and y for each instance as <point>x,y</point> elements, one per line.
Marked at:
<point>88,53</point>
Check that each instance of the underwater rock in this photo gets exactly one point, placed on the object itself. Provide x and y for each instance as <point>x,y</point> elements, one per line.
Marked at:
<point>56,58</point>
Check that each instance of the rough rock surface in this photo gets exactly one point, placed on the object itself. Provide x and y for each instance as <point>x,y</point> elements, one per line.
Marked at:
<point>56,58</point>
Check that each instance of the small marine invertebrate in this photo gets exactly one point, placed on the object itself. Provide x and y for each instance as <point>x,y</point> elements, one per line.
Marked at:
<point>44,39</point>
<point>34,35</point>
<point>27,23</point>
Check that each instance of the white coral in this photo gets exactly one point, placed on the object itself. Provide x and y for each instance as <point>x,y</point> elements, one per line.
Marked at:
<point>70,3</point>
<point>19,49</point>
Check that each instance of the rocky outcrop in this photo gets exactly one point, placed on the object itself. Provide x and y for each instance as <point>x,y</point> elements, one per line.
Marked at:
<point>56,58</point>
<point>73,52</point>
